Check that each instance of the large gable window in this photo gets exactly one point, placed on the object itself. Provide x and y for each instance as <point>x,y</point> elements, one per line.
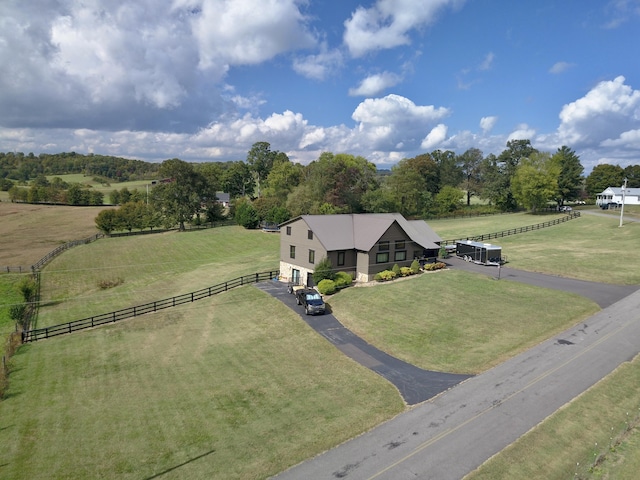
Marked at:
<point>399,244</point>
<point>400,255</point>
<point>383,245</point>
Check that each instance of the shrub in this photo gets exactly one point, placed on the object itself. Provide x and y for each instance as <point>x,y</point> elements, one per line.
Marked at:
<point>343,279</point>
<point>396,270</point>
<point>246,215</point>
<point>415,267</point>
<point>386,275</point>
<point>405,271</point>
<point>434,266</point>
<point>327,287</point>
<point>377,277</point>
<point>104,284</point>
<point>324,270</point>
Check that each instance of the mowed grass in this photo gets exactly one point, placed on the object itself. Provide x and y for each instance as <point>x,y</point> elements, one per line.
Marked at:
<point>148,268</point>
<point>590,247</point>
<point>454,228</point>
<point>234,387</point>
<point>456,321</point>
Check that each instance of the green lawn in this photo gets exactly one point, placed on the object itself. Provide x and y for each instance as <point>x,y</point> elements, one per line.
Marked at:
<point>450,229</point>
<point>456,321</point>
<point>150,267</point>
<point>589,247</point>
<point>237,386</point>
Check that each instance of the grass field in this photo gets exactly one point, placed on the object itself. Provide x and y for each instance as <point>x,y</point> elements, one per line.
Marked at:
<point>150,267</point>
<point>29,232</point>
<point>589,248</point>
<point>447,320</point>
<point>208,391</point>
<point>236,386</point>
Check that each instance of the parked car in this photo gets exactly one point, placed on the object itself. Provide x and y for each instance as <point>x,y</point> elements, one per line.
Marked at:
<point>565,208</point>
<point>311,300</point>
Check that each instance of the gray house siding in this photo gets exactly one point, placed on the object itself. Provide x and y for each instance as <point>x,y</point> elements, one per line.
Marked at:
<point>296,234</point>
<point>359,244</point>
<point>396,246</point>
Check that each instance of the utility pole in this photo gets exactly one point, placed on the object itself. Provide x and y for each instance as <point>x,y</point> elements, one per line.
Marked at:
<point>624,187</point>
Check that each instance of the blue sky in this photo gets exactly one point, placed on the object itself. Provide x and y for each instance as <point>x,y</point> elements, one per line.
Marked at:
<point>202,80</point>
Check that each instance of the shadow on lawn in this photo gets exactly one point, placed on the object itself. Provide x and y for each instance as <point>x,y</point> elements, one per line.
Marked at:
<point>158,475</point>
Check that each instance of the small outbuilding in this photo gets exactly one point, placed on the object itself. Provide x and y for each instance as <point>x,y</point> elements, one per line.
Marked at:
<point>478,252</point>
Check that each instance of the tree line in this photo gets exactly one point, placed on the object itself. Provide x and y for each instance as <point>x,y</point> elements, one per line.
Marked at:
<point>268,187</point>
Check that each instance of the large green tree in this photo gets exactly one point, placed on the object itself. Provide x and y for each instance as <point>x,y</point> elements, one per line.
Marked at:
<point>181,197</point>
<point>535,181</point>
<point>570,175</point>
<point>261,159</point>
<point>449,170</point>
<point>632,174</point>
<point>337,183</point>
<point>499,171</point>
<point>603,176</point>
<point>414,182</point>
<point>237,180</point>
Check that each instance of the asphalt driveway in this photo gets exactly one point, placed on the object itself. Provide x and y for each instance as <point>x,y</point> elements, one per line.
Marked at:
<point>414,384</point>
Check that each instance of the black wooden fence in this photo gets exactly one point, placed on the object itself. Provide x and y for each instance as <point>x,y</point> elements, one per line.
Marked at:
<point>514,231</point>
<point>112,317</point>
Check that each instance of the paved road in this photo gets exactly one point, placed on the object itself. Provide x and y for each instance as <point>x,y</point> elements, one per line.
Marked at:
<point>414,384</point>
<point>455,432</point>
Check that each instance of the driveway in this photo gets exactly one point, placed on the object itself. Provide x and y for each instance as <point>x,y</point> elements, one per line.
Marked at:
<point>414,384</point>
<point>603,294</point>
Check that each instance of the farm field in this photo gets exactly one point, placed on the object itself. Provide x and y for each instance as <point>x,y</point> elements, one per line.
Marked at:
<point>29,232</point>
<point>222,388</point>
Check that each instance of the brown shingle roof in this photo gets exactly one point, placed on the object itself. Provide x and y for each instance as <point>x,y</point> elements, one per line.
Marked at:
<point>362,231</point>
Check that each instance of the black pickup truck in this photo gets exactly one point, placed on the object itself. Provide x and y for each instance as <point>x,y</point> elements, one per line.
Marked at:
<point>311,300</point>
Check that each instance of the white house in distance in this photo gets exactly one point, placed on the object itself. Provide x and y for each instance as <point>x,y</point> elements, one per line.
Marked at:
<point>614,195</point>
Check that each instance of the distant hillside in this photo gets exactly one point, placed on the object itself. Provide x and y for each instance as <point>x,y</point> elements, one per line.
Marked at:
<point>21,167</point>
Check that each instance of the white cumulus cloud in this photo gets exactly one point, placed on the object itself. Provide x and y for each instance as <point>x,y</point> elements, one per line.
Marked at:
<point>387,23</point>
<point>375,84</point>
<point>391,120</point>
<point>605,112</point>
<point>487,123</point>
<point>435,137</point>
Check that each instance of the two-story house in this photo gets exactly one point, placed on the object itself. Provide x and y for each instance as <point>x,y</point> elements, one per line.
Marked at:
<point>359,244</point>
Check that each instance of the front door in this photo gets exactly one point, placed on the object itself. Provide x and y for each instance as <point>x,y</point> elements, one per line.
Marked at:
<point>295,277</point>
